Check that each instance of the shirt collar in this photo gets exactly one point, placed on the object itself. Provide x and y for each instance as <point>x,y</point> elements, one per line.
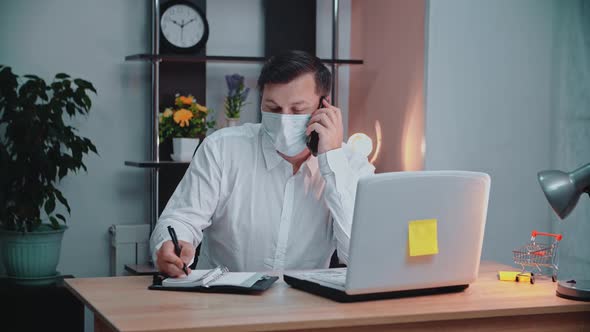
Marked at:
<point>272,157</point>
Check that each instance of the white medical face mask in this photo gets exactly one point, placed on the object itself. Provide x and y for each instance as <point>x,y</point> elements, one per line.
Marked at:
<point>286,131</point>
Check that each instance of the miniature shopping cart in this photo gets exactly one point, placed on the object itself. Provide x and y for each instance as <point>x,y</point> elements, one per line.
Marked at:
<point>537,255</point>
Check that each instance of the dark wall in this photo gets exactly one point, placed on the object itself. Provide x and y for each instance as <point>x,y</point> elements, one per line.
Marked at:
<point>289,25</point>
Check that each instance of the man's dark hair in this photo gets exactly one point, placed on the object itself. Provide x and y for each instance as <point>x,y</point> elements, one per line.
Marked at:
<point>285,67</point>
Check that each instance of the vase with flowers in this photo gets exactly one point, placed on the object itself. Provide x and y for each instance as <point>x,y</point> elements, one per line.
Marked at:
<point>237,93</point>
<point>185,123</point>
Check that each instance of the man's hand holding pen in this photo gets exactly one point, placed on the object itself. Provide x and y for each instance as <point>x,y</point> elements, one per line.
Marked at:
<point>173,259</point>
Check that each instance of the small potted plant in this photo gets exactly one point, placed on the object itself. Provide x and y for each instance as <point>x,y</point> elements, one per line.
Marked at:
<point>38,148</point>
<point>237,94</point>
<point>185,123</point>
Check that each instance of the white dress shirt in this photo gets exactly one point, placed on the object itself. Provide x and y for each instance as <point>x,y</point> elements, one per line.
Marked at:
<point>240,199</point>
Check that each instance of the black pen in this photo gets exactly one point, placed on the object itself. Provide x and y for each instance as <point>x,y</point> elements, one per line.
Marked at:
<point>177,248</point>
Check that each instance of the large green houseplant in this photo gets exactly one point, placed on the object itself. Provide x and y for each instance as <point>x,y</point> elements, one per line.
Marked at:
<point>38,148</point>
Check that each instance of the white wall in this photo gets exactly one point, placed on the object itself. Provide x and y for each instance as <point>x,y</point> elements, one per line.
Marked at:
<point>488,107</point>
<point>89,39</point>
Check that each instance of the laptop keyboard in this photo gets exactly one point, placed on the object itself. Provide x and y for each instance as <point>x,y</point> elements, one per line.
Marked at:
<point>332,276</point>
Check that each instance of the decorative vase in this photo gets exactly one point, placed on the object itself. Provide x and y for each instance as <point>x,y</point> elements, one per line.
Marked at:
<point>232,122</point>
<point>31,258</point>
<point>183,148</point>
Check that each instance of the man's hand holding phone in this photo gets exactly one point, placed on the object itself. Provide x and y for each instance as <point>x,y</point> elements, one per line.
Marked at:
<point>327,122</point>
<point>169,263</point>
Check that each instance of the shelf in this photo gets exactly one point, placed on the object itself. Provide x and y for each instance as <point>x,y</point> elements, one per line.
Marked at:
<point>141,269</point>
<point>154,164</point>
<point>222,58</point>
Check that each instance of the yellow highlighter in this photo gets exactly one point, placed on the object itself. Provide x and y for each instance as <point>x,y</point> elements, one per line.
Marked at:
<point>516,276</point>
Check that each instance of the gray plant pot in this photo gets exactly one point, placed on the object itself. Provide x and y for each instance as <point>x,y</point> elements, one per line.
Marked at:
<point>31,258</point>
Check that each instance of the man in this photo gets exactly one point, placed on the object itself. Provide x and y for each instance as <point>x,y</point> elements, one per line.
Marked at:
<point>254,196</point>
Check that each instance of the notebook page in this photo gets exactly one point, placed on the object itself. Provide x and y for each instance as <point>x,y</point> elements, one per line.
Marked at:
<point>244,279</point>
<point>186,281</point>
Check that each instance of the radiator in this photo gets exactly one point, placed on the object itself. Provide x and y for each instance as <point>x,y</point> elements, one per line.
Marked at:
<point>129,245</point>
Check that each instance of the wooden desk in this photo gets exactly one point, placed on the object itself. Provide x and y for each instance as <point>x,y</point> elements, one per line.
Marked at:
<point>125,304</point>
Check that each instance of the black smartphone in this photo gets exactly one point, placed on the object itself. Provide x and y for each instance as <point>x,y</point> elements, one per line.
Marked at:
<point>314,139</point>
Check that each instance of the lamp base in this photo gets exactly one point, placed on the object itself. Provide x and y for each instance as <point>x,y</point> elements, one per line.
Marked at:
<point>578,290</point>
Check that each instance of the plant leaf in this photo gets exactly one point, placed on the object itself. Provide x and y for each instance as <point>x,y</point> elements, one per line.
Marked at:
<point>71,109</point>
<point>84,84</point>
<point>54,223</point>
<point>34,77</point>
<point>62,76</point>
<point>63,171</point>
<point>50,205</point>
<point>89,144</point>
<point>63,201</point>
<point>91,87</point>
<point>87,101</point>
<point>60,216</point>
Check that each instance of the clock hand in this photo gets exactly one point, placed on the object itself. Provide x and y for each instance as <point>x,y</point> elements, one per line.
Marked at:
<point>173,21</point>
<point>190,21</point>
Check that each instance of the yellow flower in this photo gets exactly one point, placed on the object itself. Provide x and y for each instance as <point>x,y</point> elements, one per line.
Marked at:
<point>201,108</point>
<point>182,117</point>
<point>186,100</point>
<point>167,112</point>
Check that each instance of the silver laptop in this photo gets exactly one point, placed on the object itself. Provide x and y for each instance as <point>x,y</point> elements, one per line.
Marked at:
<point>413,233</point>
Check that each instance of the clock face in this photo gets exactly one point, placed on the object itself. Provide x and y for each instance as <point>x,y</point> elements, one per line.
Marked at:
<point>182,26</point>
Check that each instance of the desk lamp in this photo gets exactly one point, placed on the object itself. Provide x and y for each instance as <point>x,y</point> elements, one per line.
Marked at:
<point>563,190</point>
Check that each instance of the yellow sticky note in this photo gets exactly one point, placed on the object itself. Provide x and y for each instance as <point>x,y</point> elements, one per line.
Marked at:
<point>422,237</point>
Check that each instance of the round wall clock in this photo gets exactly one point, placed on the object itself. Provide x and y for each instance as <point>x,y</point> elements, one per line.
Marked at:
<point>183,27</point>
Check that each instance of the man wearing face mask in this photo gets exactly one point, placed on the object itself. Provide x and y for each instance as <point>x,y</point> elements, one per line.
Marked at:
<point>254,196</point>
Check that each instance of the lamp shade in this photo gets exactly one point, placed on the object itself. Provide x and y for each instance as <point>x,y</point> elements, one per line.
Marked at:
<point>563,190</point>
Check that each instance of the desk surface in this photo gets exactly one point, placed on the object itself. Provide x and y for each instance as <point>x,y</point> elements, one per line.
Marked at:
<point>125,304</point>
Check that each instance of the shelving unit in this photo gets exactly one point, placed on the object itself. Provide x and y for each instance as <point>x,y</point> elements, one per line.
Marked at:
<point>154,164</point>
<point>222,58</point>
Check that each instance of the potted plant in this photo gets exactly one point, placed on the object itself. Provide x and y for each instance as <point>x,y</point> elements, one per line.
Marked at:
<point>237,94</point>
<point>38,148</point>
<point>185,122</point>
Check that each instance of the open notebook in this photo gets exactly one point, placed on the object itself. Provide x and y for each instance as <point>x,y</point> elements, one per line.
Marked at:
<point>217,280</point>
<point>195,278</point>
